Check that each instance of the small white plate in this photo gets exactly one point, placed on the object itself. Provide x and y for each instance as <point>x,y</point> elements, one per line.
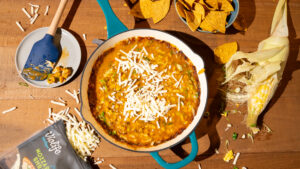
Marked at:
<point>67,42</point>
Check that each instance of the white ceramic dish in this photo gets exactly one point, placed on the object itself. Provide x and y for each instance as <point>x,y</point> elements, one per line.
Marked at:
<point>66,40</point>
<point>196,60</point>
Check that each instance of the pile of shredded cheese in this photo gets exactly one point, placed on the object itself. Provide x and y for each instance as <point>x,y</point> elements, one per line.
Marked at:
<point>143,104</point>
<point>81,135</point>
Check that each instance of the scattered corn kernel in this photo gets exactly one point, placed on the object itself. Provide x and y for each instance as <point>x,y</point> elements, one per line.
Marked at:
<point>228,156</point>
<point>201,71</point>
<point>225,113</point>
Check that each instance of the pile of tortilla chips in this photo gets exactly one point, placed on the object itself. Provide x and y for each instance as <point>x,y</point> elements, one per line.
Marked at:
<point>156,10</point>
<point>209,15</point>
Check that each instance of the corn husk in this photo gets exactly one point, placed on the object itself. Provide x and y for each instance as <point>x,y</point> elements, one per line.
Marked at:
<point>260,72</point>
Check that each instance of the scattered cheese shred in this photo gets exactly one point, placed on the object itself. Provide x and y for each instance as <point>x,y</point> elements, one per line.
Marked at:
<point>69,93</point>
<point>36,10</point>
<point>35,6</point>
<point>236,158</point>
<point>199,166</point>
<point>26,13</point>
<point>57,103</point>
<point>61,100</point>
<point>99,162</point>
<point>112,167</point>
<point>19,25</point>
<point>217,151</point>
<point>49,112</point>
<point>46,10</point>
<point>76,96</point>
<point>34,18</point>
<point>228,127</point>
<point>31,10</point>
<point>9,110</point>
<point>84,36</point>
<point>78,112</point>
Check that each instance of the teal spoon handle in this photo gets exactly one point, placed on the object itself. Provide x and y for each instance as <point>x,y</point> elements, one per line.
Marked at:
<point>114,25</point>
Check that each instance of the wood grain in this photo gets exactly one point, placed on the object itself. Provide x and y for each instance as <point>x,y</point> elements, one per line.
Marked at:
<point>279,150</point>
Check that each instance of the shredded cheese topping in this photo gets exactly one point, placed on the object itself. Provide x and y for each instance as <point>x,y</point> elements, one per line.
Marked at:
<point>142,102</point>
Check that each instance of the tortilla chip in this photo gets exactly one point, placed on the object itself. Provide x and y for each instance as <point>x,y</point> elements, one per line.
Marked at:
<point>213,4</point>
<point>156,10</point>
<point>206,26</point>
<point>199,12</point>
<point>136,11</point>
<point>224,52</point>
<point>185,4</point>
<point>215,20</point>
<point>240,23</point>
<point>192,23</point>
<point>180,9</point>
<point>190,2</point>
<point>225,6</point>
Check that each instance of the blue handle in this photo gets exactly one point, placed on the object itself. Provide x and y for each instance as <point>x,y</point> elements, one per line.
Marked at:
<point>183,162</point>
<point>114,25</point>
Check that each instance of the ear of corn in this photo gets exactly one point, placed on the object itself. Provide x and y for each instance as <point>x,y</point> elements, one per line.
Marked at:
<point>264,68</point>
<point>259,100</point>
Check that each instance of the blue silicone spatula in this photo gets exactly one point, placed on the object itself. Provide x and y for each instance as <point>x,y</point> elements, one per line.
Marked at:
<point>44,53</point>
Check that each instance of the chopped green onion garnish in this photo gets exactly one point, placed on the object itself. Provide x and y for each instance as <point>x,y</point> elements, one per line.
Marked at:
<point>234,136</point>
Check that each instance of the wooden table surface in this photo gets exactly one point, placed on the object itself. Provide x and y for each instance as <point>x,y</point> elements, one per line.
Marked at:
<point>279,150</point>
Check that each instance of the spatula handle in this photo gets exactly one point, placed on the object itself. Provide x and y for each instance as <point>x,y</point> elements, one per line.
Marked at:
<point>56,18</point>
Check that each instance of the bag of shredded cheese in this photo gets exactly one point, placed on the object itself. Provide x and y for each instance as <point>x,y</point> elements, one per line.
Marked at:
<point>48,149</point>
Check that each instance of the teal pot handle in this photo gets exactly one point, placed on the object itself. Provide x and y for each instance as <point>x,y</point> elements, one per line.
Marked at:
<point>114,25</point>
<point>183,162</point>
